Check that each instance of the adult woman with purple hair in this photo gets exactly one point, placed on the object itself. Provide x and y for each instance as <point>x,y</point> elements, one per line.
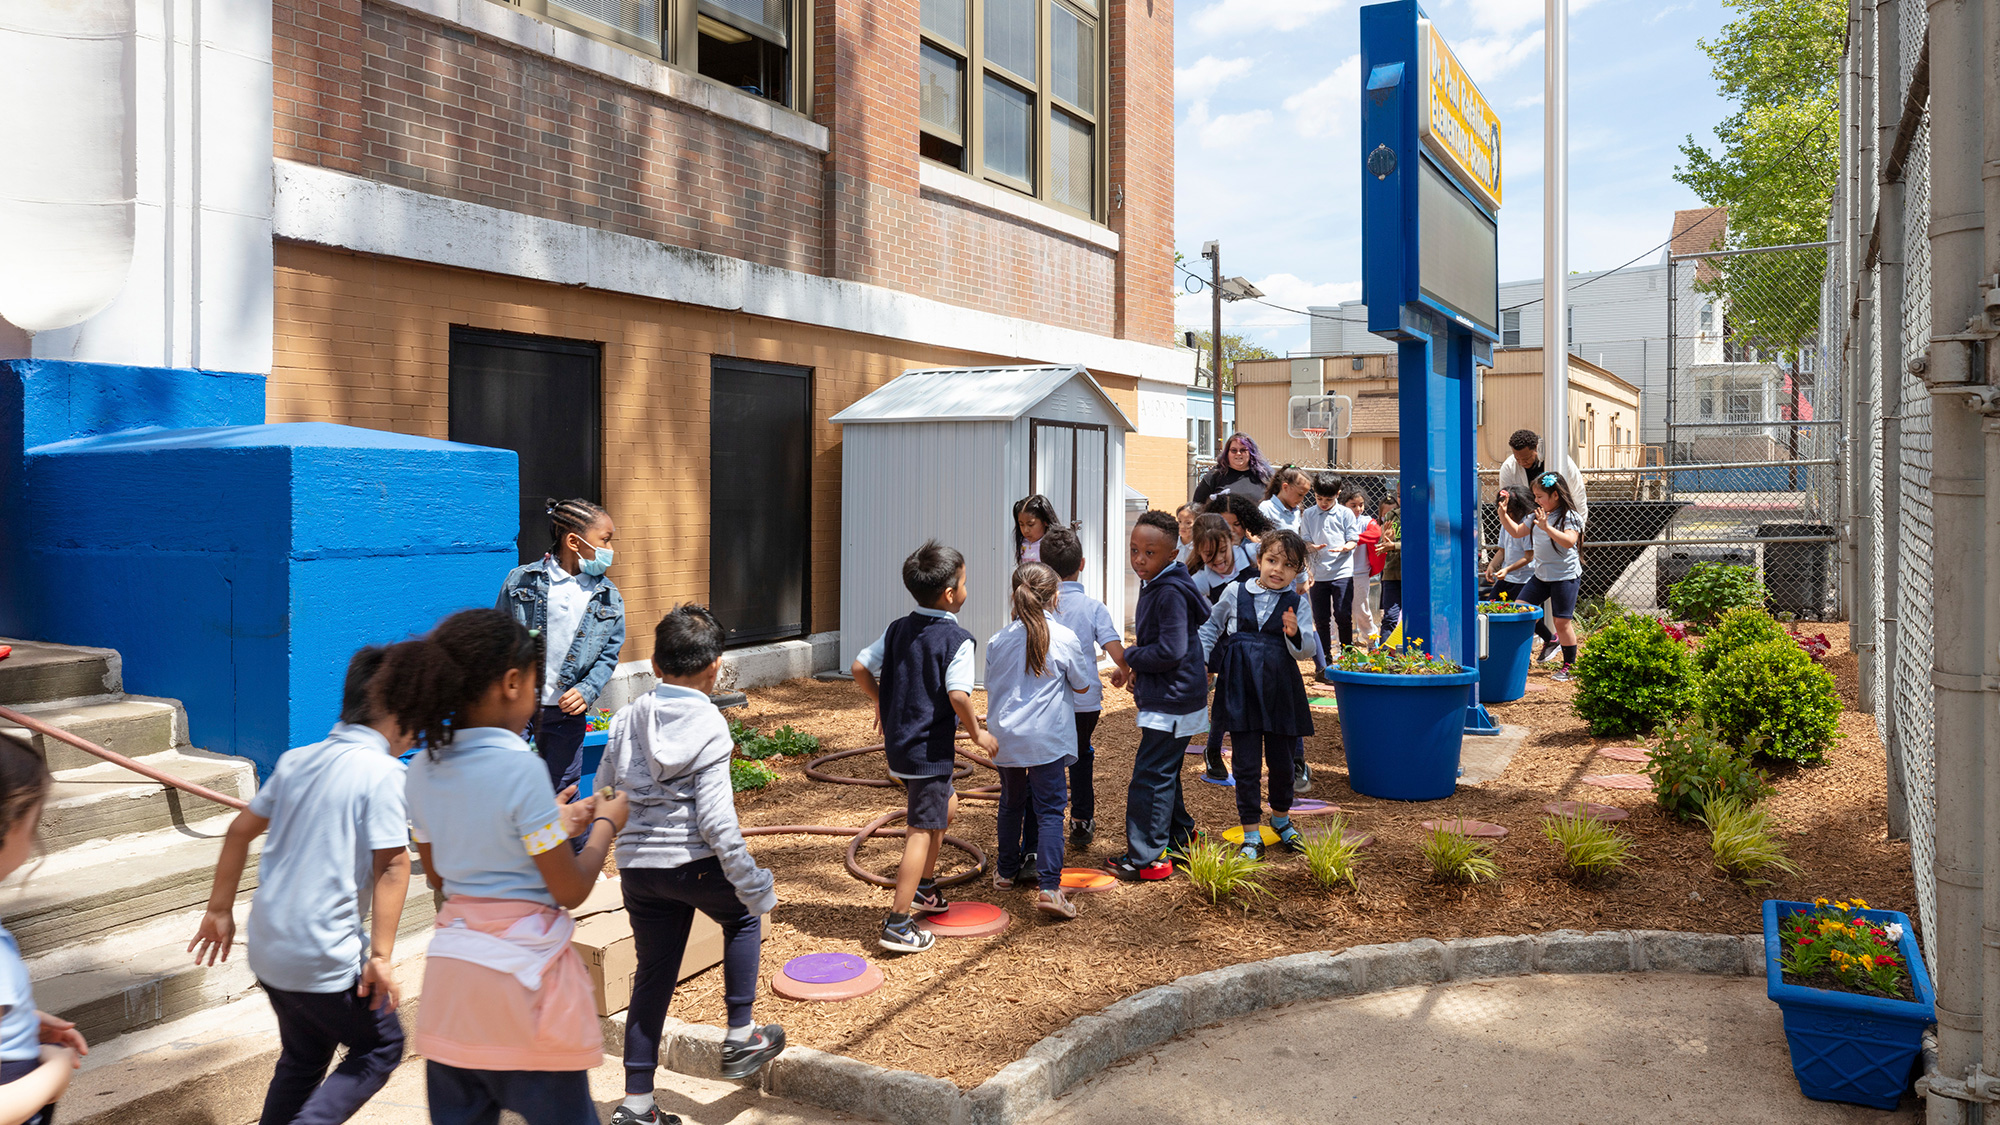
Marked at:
<point>1242,470</point>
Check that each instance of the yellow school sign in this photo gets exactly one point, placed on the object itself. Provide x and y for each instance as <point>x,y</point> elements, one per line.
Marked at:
<point>1457,125</point>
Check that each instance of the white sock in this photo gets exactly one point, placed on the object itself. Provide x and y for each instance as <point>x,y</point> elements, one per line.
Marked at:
<point>741,1034</point>
<point>641,1104</point>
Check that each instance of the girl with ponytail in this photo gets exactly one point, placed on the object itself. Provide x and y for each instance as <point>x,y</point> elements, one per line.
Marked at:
<point>508,1019</point>
<point>569,601</point>
<point>1035,671</point>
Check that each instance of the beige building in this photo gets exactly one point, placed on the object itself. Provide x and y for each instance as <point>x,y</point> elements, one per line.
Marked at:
<point>1603,409</point>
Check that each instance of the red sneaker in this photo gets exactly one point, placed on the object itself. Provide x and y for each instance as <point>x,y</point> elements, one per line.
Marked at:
<point>1158,869</point>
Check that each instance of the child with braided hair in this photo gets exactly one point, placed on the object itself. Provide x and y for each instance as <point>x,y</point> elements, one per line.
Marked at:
<point>570,603</point>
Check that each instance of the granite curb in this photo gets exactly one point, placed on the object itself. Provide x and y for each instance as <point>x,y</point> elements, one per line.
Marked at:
<point>1090,1043</point>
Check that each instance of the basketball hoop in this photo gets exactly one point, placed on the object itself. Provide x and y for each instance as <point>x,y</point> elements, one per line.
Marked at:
<point>1314,435</point>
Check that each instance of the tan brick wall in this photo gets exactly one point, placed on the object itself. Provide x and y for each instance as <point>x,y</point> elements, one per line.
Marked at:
<point>366,341</point>
<point>1157,467</point>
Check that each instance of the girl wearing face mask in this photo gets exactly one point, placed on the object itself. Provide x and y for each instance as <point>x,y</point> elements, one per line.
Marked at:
<point>580,617</point>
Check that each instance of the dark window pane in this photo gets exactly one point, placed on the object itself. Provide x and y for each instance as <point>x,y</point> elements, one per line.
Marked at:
<point>1072,57</point>
<point>1010,35</point>
<point>739,59</point>
<point>1009,127</point>
<point>941,150</point>
<point>941,79</point>
<point>760,488</point>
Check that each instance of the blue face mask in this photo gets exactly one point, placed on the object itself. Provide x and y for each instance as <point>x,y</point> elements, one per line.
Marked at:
<point>598,563</point>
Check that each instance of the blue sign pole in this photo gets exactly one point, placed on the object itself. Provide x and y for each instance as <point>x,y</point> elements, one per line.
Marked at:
<point>1418,214</point>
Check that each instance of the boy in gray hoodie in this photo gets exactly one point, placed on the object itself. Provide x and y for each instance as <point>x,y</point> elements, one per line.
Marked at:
<point>682,851</point>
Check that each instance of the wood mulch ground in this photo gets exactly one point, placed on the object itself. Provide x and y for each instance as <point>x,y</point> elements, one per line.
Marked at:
<point>968,1007</point>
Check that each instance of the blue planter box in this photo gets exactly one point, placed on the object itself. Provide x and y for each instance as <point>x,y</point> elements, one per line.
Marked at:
<point>1402,733</point>
<point>1847,1047</point>
<point>1510,649</point>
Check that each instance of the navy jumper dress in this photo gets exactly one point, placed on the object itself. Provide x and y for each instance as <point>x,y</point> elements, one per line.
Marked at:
<point>1257,685</point>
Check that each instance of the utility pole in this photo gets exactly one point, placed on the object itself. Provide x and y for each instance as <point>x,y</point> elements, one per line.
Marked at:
<point>1555,234</point>
<point>1213,252</point>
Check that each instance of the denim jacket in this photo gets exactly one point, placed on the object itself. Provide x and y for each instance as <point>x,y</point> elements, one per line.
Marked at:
<point>594,654</point>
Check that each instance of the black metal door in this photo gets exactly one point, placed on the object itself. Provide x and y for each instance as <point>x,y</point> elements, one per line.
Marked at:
<point>760,498</point>
<point>540,397</point>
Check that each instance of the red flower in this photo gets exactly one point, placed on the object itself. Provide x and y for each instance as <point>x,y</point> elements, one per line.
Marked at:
<point>1884,959</point>
<point>1805,941</point>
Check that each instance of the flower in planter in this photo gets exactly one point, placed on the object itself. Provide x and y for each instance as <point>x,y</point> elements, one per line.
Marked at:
<point>1830,947</point>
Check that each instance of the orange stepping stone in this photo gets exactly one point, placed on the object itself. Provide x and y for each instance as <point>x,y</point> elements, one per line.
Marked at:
<point>1086,879</point>
<point>1590,809</point>
<point>1467,828</point>
<point>1617,781</point>
<point>967,919</point>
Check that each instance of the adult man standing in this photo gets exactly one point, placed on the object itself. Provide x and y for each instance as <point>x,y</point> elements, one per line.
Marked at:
<point>1518,472</point>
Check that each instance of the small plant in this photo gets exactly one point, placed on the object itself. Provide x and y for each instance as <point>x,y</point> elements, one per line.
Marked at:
<point>791,743</point>
<point>1693,765</point>
<point>1738,630</point>
<point>1593,614</point>
<point>749,774</point>
<point>1407,661</point>
<point>1713,589</point>
<point>1504,604</point>
<point>1773,692</point>
<point>1815,646</point>
<point>1457,858</point>
<point>599,719</point>
<point>1632,677</point>
<point>741,732</point>
<point>1677,632</point>
<point>1739,836</point>
<point>1590,847</point>
<point>1331,858</point>
<point>1219,870</point>
<point>1842,948</point>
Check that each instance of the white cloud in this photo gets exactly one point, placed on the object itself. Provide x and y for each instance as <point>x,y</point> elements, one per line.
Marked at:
<point>1200,81</point>
<point>1247,17</point>
<point>1669,10</point>
<point>1229,130</point>
<point>1488,58</point>
<point>1331,106</point>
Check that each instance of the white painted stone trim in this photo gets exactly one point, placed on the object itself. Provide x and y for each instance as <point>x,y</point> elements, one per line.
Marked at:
<point>993,197</point>
<point>321,207</point>
<point>518,29</point>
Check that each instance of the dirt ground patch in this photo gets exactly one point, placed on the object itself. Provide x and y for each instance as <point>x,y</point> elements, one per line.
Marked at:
<point>969,1006</point>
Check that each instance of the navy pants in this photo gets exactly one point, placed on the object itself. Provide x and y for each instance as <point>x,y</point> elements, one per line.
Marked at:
<point>459,1096</point>
<point>1333,612</point>
<point>1082,775</point>
<point>559,740</point>
<point>1392,605</point>
<point>1036,794</point>
<point>1253,749</point>
<point>662,902</point>
<point>1156,815</point>
<point>312,1026</point>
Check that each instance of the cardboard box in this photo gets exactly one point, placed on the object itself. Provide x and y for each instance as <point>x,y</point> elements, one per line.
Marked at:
<point>604,941</point>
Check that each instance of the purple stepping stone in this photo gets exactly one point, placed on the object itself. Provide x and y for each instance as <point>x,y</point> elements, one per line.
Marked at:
<point>825,968</point>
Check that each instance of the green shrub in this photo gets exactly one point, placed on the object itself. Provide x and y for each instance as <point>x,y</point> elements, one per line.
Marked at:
<point>1593,614</point>
<point>1739,837</point>
<point>748,774</point>
<point>792,743</point>
<point>1219,870</point>
<point>1331,857</point>
<point>1773,693</point>
<point>741,732</point>
<point>1713,589</point>
<point>1632,677</point>
<point>1693,766</point>
<point>1589,846</point>
<point>1739,629</point>
<point>1457,858</point>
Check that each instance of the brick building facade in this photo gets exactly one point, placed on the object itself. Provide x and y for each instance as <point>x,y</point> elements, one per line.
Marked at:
<point>444,165</point>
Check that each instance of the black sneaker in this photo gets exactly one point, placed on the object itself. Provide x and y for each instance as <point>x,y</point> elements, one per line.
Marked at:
<point>1216,771</point>
<point>741,1060</point>
<point>1302,776</point>
<point>1125,869</point>
<point>931,902</point>
<point>1253,846</point>
<point>1081,834</point>
<point>1290,839</point>
<point>904,937</point>
<point>653,1116</point>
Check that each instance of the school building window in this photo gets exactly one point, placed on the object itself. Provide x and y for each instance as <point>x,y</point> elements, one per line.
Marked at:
<point>1011,90</point>
<point>1510,328</point>
<point>753,45</point>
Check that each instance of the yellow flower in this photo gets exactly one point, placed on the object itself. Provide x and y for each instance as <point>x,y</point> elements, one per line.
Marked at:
<point>1862,903</point>
<point>1822,902</point>
<point>1842,906</point>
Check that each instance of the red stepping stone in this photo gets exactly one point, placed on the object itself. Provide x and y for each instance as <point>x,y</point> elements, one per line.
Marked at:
<point>1086,879</point>
<point>1307,806</point>
<point>967,919</point>
<point>1590,809</point>
<point>1467,828</point>
<point>1625,753</point>
<point>1617,781</point>
<point>827,976</point>
<point>1359,839</point>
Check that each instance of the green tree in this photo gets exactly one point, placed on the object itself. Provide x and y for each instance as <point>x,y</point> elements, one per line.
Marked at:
<point>1235,349</point>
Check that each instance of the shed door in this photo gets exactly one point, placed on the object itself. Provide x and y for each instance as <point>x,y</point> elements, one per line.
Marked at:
<point>1070,464</point>
<point>538,396</point>
<point>760,531</point>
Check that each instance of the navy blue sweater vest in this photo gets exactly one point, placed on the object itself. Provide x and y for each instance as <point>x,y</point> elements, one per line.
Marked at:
<point>918,723</point>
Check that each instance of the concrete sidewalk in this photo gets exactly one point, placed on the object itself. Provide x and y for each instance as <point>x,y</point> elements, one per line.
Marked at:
<point>1547,1049</point>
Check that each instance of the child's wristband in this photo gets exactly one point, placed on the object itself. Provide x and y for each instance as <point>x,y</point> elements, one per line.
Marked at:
<point>605,819</point>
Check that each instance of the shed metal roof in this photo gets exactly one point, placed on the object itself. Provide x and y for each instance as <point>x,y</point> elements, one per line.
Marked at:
<point>971,394</point>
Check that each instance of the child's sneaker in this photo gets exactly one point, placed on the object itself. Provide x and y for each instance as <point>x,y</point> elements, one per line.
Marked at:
<point>1081,834</point>
<point>1216,771</point>
<point>928,902</point>
<point>1055,903</point>
<point>1127,870</point>
<point>1562,675</point>
<point>1289,837</point>
<point>623,1116</point>
<point>1022,878</point>
<point>1253,846</point>
<point>1302,776</point>
<point>745,1058</point>
<point>904,936</point>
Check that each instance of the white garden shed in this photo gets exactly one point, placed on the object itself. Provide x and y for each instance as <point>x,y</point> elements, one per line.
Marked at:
<point>944,454</point>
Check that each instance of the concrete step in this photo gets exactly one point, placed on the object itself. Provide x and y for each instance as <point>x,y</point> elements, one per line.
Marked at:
<point>95,888</point>
<point>144,975</point>
<point>107,800</point>
<point>130,725</point>
<point>39,672</point>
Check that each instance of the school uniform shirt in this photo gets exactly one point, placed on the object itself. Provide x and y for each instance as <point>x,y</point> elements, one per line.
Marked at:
<point>486,807</point>
<point>1184,553</point>
<point>1207,582</point>
<point>1315,526</point>
<point>1032,717</point>
<point>1091,621</point>
<point>20,1027</point>
<point>1342,526</point>
<point>331,805</point>
<point>1246,554</point>
<point>1281,517</point>
<point>1514,548</point>
<point>1552,564</point>
<point>1222,620</point>
<point>569,597</point>
<point>957,674</point>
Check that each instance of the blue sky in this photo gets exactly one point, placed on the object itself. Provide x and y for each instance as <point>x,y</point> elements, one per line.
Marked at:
<point>1268,158</point>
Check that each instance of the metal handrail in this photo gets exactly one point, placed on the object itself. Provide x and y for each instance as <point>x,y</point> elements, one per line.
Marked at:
<point>8,714</point>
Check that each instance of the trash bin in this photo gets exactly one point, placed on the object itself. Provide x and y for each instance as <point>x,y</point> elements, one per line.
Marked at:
<point>1135,506</point>
<point>1798,576</point>
<point>1673,565</point>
